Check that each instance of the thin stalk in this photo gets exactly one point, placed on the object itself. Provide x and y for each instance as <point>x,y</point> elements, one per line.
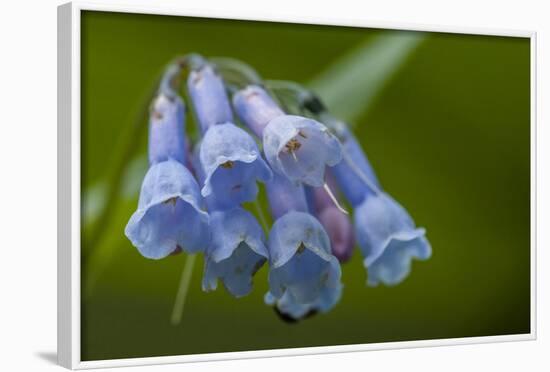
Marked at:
<point>261,215</point>
<point>183,289</point>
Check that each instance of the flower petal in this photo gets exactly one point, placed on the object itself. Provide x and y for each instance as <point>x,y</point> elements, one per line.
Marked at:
<point>166,130</point>
<point>394,265</point>
<point>329,296</point>
<point>293,230</point>
<point>209,97</point>
<point>354,173</point>
<point>169,213</point>
<point>340,231</point>
<point>300,258</point>
<point>236,251</point>
<point>386,232</point>
<point>285,196</point>
<point>232,164</point>
<point>255,108</point>
<point>300,148</point>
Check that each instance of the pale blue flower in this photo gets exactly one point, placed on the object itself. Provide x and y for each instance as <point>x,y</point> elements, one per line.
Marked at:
<point>294,146</point>
<point>209,98</point>
<point>256,108</point>
<point>229,156</point>
<point>385,232</point>
<point>301,264</point>
<point>329,296</point>
<point>169,215</point>
<point>166,129</point>
<point>388,239</point>
<point>300,149</point>
<point>354,173</point>
<point>235,253</point>
<point>285,196</point>
<point>232,164</point>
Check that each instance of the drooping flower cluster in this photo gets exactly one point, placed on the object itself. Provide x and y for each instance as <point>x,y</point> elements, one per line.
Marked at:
<point>195,195</point>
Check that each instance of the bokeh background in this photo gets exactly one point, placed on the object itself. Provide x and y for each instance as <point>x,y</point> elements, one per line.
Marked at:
<point>444,119</point>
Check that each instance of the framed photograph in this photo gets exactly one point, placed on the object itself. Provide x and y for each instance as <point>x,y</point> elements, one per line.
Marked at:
<point>238,187</point>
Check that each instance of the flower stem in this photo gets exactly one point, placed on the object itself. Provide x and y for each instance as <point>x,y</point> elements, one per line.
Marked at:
<point>261,215</point>
<point>183,289</point>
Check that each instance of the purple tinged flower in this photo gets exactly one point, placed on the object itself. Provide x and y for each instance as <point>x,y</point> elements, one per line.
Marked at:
<point>236,251</point>
<point>169,216</point>
<point>209,97</point>
<point>166,129</point>
<point>303,275</point>
<point>340,231</point>
<point>337,224</point>
<point>232,164</point>
<point>294,146</point>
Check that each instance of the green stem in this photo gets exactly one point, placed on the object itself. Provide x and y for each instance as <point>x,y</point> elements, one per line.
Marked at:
<point>183,289</point>
<point>261,215</point>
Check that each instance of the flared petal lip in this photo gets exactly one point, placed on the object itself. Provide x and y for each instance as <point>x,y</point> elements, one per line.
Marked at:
<point>291,253</point>
<point>309,228</point>
<point>402,236</point>
<point>245,158</point>
<point>255,246</point>
<point>138,215</point>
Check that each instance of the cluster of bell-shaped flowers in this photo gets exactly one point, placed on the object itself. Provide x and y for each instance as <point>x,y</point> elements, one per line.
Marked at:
<point>195,195</point>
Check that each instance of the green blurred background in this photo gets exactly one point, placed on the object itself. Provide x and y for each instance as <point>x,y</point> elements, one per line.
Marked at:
<point>448,134</point>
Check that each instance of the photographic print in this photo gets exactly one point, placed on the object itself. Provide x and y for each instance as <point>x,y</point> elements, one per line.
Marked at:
<point>252,185</point>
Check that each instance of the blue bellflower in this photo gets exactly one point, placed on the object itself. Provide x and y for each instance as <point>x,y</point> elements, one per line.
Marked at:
<point>209,97</point>
<point>337,223</point>
<point>237,245</point>
<point>166,130</point>
<point>169,216</point>
<point>300,148</point>
<point>355,169</point>
<point>386,234</point>
<point>294,146</point>
<point>236,251</point>
<point>388,239</point>
<point>256,108</point>
<point>304,276</point>
<point>232,165</point>
<point>229,156</point>
<point>285,196</point>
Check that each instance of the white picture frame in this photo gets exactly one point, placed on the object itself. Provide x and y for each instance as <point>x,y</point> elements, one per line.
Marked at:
<point>69,188</point>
